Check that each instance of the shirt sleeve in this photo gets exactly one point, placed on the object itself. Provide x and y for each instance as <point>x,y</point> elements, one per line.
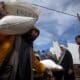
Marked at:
<point>37,65</point>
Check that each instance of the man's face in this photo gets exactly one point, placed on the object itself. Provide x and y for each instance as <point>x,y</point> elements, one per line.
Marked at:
<point>34,35</point>
<point>78,41</point>
<point>62,49</point>
<point>31,35</point>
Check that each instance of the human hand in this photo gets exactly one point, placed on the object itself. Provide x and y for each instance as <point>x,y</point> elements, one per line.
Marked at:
<point>70,71</point>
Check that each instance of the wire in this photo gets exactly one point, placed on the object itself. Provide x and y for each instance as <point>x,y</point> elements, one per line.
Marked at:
<point>55,10</point>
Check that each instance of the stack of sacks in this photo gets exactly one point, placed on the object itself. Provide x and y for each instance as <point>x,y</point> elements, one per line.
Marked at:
<point>20,18</point>
<point>51,65</point>
<point>22,9</point>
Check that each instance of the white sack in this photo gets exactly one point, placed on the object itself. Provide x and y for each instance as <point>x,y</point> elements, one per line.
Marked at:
<point>22,9</point>
<point>16,24</point>
<point>51,64</point>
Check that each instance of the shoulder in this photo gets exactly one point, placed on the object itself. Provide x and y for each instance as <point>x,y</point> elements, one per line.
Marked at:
<point>68,52</point>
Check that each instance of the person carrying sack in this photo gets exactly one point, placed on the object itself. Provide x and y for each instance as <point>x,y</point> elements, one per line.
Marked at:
<point>16,50</point>
<point>66,62</point>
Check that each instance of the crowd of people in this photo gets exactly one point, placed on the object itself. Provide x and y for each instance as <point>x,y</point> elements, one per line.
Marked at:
<point>18,61</point>
<point>65,60</point>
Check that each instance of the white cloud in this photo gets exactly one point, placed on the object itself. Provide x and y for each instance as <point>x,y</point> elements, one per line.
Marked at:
<point>63,23</point>
<point>60,21</point>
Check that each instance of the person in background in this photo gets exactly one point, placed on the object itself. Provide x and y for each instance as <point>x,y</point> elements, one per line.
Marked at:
<point>52,57</point>
<point>66,61</point>
<point>54,73</point>
<point>40,71</point>
<point>77,39</point>
<point>38,68</point>
<point>36,63</point>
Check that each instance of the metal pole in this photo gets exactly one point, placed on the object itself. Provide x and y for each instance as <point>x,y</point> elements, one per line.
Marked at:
<point>78,16</point>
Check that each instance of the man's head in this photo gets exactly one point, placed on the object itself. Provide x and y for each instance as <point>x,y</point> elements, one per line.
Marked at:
<point>77,39</point>
<point>63,44</point>
<point>63,47</point>
<point>3,10</point>
<point>34,32</point>
<point>2,5</point>
<point>31,35</point>
<point>49,54</point>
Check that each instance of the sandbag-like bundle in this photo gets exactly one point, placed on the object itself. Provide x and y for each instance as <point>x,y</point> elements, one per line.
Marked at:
<point>17,17</point>
<point>22,9</point>
<point>16,24</point>
<point>51,65</point>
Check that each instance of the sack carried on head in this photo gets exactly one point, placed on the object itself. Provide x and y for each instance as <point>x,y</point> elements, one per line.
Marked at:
<point>16,24</point>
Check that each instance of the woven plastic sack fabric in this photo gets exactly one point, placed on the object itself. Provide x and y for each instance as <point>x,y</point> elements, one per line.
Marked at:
<point>51,64</point>
<point>22,9</point>
<point>16,24</point>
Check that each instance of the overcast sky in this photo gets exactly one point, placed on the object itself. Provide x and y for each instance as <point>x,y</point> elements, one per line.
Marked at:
<point>53,25</point>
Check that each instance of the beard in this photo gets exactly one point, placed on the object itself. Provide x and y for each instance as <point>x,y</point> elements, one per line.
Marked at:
<point>28,37</point>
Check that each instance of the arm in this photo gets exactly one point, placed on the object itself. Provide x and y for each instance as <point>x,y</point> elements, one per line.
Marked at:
<point>37,65</point>
<point>70,63</point>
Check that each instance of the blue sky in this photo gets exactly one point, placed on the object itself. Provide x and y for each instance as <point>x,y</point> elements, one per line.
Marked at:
<point>53,25</point>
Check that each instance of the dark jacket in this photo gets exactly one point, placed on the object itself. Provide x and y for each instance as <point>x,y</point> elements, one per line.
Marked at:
<point>24,67</point>
<point>67,64</point>
<point>21,58</point>
<point>24,71</point>
<point>17,65</point>
<point>9,67</point>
